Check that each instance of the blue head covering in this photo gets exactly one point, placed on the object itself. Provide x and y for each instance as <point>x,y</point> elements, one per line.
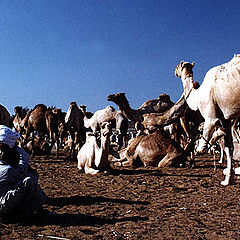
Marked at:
<point>8,136</point>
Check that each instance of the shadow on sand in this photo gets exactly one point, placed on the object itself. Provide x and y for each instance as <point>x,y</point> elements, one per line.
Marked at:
<point>88,200</point>
<point>66,220</point>
<point>78,219</point>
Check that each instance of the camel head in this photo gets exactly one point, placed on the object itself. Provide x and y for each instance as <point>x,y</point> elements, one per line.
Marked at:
<point>164,97</point>
<point>72,112</point>
<point>116,98</point>
<point>18,109</point>
<point>184,69</point>
<point>106,129</point>
<point>83,108</point>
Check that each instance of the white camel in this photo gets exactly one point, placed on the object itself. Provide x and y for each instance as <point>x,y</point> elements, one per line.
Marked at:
<point>217,99</point>
<point>93,156</point>
<point>104,115</point>
<point>109,114</point>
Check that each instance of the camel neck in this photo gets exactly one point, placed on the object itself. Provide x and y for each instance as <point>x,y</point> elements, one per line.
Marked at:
<point>187,85</point>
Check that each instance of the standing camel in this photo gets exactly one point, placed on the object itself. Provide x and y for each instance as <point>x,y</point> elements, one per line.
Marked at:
<point>45,122</point>
<point>74,124</point>
<point>217,99</point>
<point>109,114</point>
<point>19,119</point>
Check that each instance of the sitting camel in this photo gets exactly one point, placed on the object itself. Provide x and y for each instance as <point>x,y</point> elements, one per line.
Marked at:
<point>159,105</point>
<point>155,149</point>
<point>109,114</point>
<point>93,156</point>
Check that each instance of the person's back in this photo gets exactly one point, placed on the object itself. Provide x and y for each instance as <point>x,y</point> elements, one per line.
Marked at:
<point>20,193</point>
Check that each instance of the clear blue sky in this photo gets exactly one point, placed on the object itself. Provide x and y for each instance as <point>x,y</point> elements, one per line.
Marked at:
<point>58,51</point>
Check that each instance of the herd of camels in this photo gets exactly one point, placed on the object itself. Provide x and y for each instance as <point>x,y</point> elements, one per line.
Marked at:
<point>167,133</point>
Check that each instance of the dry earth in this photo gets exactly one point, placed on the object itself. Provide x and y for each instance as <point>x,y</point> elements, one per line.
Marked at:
<point>140,203</point>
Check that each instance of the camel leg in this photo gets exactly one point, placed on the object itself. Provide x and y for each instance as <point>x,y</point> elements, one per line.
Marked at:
<point>221,154</point>
<point>227,171</point>
<point>71,152</point>
<point>207,132</point>
<point>129,162</point>
<point>88,167</point>
<point>125,140</point>
<point>171,160</point>
<point>89,170</point>
<point>165,161</point>
<point>57,150</point>
<point>120,141</point>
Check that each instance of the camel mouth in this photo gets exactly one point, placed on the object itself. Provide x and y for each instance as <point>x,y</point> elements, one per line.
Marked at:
<point>109,97</point>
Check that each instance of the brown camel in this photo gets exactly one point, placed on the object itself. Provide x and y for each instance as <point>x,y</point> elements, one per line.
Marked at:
<point>54,118</point>
<point>155,105</point>
<point>19,119</point>
<point>74,124</point>
<point>4,116</point>
<point>155,149</point>
<point>159,105</point>
<point>45,121</point>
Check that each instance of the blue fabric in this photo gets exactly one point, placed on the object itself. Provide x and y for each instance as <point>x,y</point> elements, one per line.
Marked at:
<point>8,136</point>
<point>10,176</point>
<point>19,189</point>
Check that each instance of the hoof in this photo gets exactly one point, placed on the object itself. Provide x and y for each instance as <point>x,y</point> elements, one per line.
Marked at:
<point>237,171</point>
<point>226,171</point>
<point>225,182</point>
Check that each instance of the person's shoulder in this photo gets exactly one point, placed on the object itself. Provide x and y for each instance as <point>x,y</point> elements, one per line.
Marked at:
<point>6,169</point>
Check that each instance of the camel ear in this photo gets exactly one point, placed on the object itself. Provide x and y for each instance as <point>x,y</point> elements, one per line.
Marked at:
<point>181,63</point>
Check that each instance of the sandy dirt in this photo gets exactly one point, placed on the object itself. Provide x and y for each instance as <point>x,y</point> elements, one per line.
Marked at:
<point>132,203</point>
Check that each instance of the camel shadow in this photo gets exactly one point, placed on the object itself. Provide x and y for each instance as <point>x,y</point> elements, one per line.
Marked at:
<point>117,172</point>
<point>88,200</point>
<point>184,175</point>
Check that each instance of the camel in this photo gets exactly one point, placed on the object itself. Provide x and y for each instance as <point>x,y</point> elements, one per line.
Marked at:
<point>20,118</point>
<point>109,114</point>
<point>159,105</point>
<point>44,121</point>
<point>155,105</point>
<point>155,149</point>
<point>54,118</point>
<point>74,124</point>
<point>217,99</point>
<point>83,109</point>
<point>93,158</point>
<point>4,116</point>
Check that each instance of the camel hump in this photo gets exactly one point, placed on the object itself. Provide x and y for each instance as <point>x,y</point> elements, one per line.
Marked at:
<point>164,97</point>
<point>110,107</point>
<point>40,106</point>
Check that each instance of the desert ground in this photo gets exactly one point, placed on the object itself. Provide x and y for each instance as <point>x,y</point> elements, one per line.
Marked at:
<point>132,203</point>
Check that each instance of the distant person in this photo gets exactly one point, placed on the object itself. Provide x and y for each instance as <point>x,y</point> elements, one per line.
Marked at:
<point>20,193</point>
